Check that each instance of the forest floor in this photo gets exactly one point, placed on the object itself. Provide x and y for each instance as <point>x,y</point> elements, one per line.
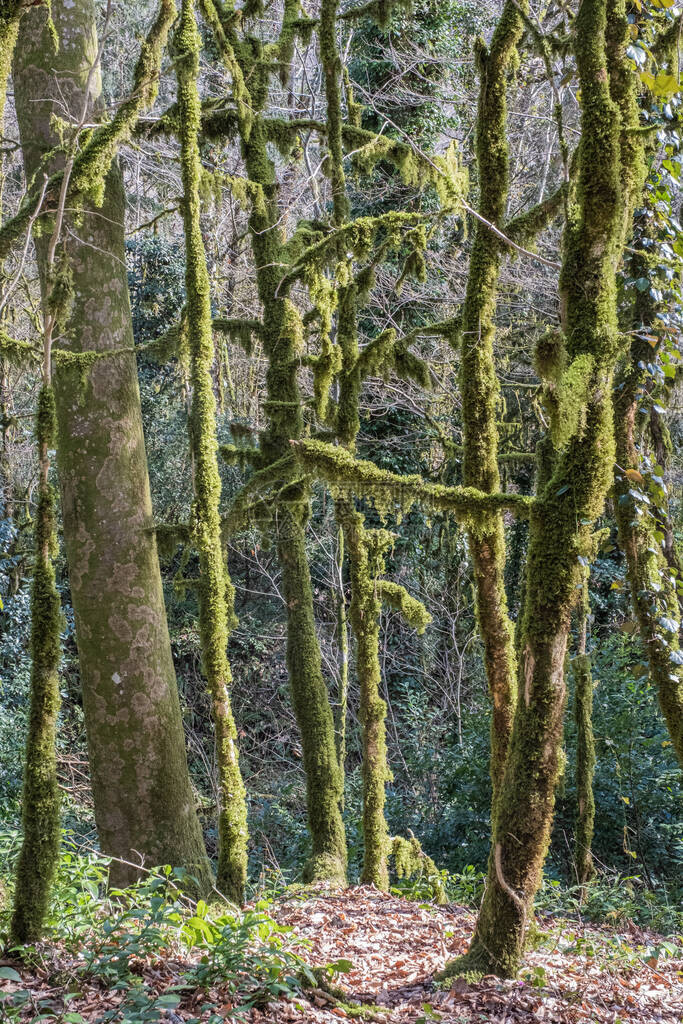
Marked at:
<point>577,973</point>
<point>390,948</point>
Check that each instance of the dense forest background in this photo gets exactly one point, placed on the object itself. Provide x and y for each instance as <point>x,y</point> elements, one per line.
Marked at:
<point>414,78</point>
<point>417,77</point>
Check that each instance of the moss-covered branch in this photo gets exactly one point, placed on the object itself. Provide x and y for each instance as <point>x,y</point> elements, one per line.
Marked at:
<point>92,163</point>
<point>343,471</point>
<point>17,352</point>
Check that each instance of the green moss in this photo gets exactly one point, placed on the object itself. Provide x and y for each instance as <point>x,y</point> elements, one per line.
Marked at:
<point>525,227</point>
<point>216,612</point>
<point>379,10</point>
<point>444,173</point>
<point>17,352</point>
<point>398,598</point>
<point>386,489</point>
<point>94,159</point>
<point>40,796</point>
<point>568,400</point>
<point>294,27</point>
<point>585,766</point>
<point>10,16</point>
<point>550,356</point>
<point>410,861</point>
<point>562,517</point>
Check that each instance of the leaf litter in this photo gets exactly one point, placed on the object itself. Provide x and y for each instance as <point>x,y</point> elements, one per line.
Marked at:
<point>384,951</point>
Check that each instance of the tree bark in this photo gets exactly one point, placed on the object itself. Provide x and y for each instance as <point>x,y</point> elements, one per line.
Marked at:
<point>561,539</point>
<point>479,383</point>
<point>216,592</point>
<point>144,805</point>
<point>652,580</point>
<point>585,750</point>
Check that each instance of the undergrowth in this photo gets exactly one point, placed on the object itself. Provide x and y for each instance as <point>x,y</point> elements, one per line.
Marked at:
<point>113,936</point>
<point>610,899</point>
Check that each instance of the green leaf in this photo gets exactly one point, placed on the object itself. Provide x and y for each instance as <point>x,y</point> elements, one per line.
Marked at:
<point>9,974</point>
<point>167,1001</point>
<point>665,85</point>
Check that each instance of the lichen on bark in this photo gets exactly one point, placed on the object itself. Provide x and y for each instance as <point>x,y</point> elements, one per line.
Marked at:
<point>144,803</point>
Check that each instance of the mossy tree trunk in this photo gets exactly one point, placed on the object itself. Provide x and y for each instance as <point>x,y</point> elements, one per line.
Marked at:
<point>144,804</point>
<point>479,382</point>
<point>343,643</point>
<point>652,580</point>
<point>663,447</point>
<point>40,794</point>
<point>40,797</point>
<point>216,593</point>
<point>282,337</point>
<point>365,565</point>
<point>585,751</point>
<point>10,16</point>
<point>563,514</point>
<point>366,606</point>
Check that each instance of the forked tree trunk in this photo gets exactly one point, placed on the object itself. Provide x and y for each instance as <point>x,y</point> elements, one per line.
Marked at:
<point>563,514</point>
<point>144,804</point>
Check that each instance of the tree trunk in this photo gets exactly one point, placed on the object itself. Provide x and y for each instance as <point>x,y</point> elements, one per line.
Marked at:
<point>144,805</point>
<point>282,334</point>
<point>479,384</point>
<point>585,751</point>
<point>216,592</point>
<point>40,795</point>
<point>563,514</point>
<point>652,582</point>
